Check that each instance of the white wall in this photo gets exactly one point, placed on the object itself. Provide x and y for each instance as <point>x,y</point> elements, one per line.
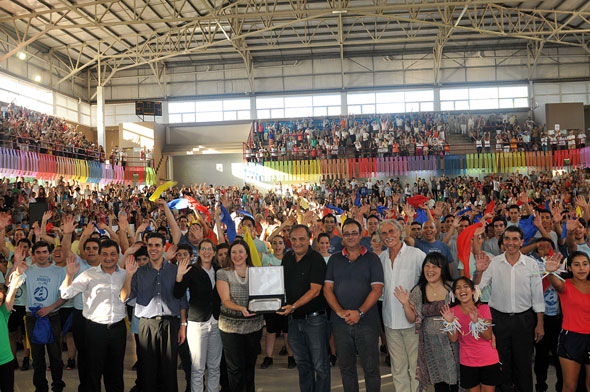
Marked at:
<point>359,73</point>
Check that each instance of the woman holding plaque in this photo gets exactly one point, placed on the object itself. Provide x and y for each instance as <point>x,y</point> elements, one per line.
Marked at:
<point>240,330</point>
<point>202,332</point>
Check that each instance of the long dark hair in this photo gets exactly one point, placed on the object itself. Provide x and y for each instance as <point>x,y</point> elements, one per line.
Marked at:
<point>245,245</point>
<point>437,259</point>
<point>471,285</point>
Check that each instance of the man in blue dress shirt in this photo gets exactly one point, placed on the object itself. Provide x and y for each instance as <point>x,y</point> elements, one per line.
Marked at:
<point>160,330</point>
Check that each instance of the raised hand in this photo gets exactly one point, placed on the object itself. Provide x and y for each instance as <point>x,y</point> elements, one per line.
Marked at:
<point>143,226</point>
<point>72,266</point>
<point>4,219</point>
<point>553,262</point>
<point>88,230</point>
<point>473,314</point>
<point>130,265</point>
<point>581,202</point>
<point>18,260</point>
<point>446,313</point>
<point>183,267</point>
<point>482,262</point>
<point>402,295</point>
<point>537,220</point>
<point>122,221</point>
<point>68,224</point>
<point>171,252</point>
<point>47,215</point>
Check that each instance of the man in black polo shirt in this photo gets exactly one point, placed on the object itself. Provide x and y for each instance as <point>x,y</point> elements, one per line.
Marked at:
<point>354,282</point>
<point>305,271</point>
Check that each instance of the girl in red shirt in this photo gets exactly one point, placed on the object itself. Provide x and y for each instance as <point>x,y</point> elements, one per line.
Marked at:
<point>573,347</point>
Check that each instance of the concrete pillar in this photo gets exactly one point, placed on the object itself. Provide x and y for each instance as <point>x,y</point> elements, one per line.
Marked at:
<point>100,128</point>
<point>253,114</point>
<point>343,103</point>
<point>437,99</point>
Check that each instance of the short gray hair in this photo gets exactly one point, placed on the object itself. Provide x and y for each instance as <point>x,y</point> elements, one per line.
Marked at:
<point>395,224</point>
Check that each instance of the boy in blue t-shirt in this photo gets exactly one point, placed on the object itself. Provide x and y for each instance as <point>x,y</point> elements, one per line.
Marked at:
<point>43,280</point>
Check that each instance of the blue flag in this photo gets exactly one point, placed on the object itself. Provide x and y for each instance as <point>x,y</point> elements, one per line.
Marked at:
<point>178,204</point>
<point>337,210</point>
<point>464,211</point>
<point>381,210</point>
<point>528,228</point>
<point>229,223</point>
<point>564,230</point>
<point>357,201</point>
<point>421,216</point>
<point>102,232</point>
<point>245,213</point>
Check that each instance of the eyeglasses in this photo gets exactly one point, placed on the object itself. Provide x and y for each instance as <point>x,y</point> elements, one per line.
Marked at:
<point>353,234</point>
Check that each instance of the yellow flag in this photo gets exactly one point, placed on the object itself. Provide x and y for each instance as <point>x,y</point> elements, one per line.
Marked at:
<point>253,252</point>
<point>303,203</point>
<point>160,189</point>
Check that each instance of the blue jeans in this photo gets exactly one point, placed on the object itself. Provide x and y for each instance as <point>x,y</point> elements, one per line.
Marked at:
<point>309,339</point>
<point>364,339</point>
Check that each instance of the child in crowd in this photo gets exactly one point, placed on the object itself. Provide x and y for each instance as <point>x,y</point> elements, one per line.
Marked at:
<point>469,322</point>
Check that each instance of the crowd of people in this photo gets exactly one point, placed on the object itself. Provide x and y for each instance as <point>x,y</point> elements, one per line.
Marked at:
<point>408,134</point>
<point>27,130</point>
<point>461,281</point>
<point>530,140</point>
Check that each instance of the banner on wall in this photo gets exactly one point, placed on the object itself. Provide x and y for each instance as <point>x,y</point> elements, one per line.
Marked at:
<point>17,163</point>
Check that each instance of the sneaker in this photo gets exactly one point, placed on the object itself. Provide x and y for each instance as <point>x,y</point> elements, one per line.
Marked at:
<point>25,365</point>
<point>283,351</point>
<point>71,364</point>
<point>332,360</point>
<point>291,363</point>
<point>266,363</point>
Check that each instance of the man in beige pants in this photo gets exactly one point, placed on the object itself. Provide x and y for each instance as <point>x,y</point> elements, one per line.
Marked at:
<point>402,265</point>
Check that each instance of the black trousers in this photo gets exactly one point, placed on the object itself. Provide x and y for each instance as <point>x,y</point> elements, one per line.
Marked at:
<point>106,345</point>
<point>7,377</point>
<point>79,333</point>
<point>240,358</point>
<point>158,354</point>
<point>546,347</point>
<point>54,352</point>
<point>515,337</point>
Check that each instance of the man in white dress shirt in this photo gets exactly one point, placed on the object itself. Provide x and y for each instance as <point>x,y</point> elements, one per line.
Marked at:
<point>105,314</point>
<point>517,306</point>
<point>402,265</point>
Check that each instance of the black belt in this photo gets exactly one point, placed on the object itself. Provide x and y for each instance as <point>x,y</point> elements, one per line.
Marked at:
<point>513,314</point>
<point>108,326</point>
<point>308,315</point>
<point>161,318</point>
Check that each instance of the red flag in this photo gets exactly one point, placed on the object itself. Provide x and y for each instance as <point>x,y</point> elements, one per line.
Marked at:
<point>196,205</point>
<point>464,245</point>
<point>490,208</point>
<point>417,200</point>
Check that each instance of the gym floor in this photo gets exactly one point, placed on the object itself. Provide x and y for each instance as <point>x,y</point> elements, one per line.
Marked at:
<point>275,378</point>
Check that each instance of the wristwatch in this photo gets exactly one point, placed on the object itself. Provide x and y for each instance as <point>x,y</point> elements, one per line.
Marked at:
<point>361,313</point>
<point>183,324</point>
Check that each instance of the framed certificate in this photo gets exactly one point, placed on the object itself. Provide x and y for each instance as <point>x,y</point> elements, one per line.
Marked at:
<point>266,289</point>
